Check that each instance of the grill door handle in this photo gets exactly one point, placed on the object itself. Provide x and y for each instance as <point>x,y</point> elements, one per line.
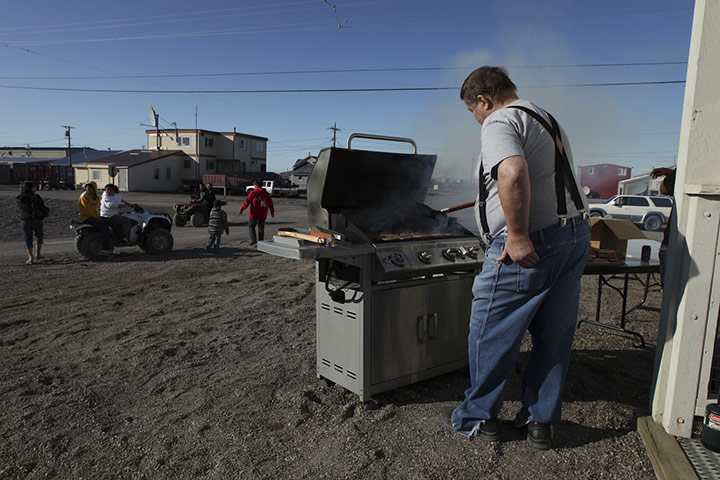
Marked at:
<point>433,326</point>
<point>384,138</point>
<point>421,329</point>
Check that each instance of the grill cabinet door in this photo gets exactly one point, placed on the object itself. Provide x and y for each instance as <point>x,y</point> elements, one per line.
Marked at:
<point>398,333</point>
<point>448,311</point>
<point>418,328</point>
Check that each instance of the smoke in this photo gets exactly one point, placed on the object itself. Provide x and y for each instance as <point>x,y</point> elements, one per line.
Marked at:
<point>595,119</point>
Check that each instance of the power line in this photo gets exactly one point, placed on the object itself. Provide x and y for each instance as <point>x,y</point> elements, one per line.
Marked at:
<point>140,21</point>
<point>322,90</point>
<point>326,71</point>
<point>167,15</point>
<point>293,27</point>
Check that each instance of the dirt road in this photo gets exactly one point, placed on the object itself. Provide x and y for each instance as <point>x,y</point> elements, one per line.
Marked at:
<point>194,365</point>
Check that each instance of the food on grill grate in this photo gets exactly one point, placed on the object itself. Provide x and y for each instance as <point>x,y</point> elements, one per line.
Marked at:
<point>389,237</point>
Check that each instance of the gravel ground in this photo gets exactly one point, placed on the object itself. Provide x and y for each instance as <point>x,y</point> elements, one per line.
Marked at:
<point>195,365</point>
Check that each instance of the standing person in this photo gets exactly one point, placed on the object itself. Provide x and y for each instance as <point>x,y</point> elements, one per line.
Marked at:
<point>217,224</point>
<point>259,202</point>
<point>534,261</point>
<point>667,187</point>
<point>32,211</point>
<point>89,204</point>
<point>210,195</point>
<point>110,212</point>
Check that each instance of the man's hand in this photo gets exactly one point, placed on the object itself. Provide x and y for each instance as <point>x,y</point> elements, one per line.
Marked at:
<point>520,249</point>
<point>240,212</point>
<point>661,172</point>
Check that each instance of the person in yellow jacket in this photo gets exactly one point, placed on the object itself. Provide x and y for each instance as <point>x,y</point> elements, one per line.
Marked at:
<point>89,211</point>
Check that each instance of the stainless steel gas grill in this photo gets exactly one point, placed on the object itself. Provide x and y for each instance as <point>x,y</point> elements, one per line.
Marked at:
<point>393,285</point>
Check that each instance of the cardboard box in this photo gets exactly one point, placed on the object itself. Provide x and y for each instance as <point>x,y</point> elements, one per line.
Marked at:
<point>614,234</point>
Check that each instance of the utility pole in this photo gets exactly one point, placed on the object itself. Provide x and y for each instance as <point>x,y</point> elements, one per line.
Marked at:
<point>69,151</point>
<point>335,130</point>
<point>67,134</point>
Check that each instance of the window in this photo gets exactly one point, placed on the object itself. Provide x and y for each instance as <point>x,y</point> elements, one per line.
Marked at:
<point>241,144</point>
<point>662,201</point>
<point>262,167</point>
<point>635,201</point>
<point>209,164</point>
<point>259,147</point>
<point>209,142</point>
<point>96,174</point>
<point>591,171</point>
<point>183,141</point>
<point>157,173</point>
<point>622,171</point>
<point>186,163</point>
<point>168,173</point>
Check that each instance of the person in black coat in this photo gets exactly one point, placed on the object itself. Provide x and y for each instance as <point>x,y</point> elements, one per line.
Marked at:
<point>32,211</point>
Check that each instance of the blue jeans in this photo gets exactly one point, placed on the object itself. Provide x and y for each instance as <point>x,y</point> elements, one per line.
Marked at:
<point>30,226</point>
<point>102,228</point>
<point>214,240</point>
<point>509,300</point>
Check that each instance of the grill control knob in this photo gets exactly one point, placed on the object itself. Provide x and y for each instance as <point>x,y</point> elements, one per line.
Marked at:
<point>472,252</point>
<point>425,257</point>
<point>450,254</point>
<point>461,252</point>
<point>396,259</point>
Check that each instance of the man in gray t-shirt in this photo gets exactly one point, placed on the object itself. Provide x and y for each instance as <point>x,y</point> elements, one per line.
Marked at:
<point>510,132</point>
<point>530,279</point>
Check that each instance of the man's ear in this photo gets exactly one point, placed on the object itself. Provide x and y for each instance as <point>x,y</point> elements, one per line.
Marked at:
<point>486,101</point>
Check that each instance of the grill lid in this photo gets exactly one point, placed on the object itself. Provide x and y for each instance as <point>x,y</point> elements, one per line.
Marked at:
<point>372,196</point>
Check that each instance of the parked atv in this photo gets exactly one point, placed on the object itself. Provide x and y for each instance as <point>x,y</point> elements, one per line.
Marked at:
<point>194,212</point>
<point>150,231</point>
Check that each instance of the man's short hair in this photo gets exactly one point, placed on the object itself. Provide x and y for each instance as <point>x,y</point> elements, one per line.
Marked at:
<point>491,81</point>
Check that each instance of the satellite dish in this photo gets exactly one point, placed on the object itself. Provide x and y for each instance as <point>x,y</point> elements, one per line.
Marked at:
<point>586,190</point>
<point>153,116</point>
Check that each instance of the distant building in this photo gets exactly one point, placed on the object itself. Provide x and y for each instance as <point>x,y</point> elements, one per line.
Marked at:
<point>90,155</point>
<point>8,154</point>
<point>210,152</point>
<point>137,170</point>
<point>300,172</point>
<point>602,179</point>
<point>641,185</point>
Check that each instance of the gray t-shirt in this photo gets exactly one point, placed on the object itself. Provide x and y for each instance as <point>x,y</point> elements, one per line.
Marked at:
<point>511,132</point>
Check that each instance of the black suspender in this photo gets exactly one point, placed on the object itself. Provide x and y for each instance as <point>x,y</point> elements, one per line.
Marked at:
<point>563,173</point>
<point>482,203</point>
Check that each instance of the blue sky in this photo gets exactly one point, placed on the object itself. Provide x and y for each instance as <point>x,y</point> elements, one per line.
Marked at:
<point>547,46</point>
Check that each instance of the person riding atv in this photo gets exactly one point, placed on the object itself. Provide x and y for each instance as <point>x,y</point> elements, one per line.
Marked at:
<point>149,231</point>
<point>197,211</point>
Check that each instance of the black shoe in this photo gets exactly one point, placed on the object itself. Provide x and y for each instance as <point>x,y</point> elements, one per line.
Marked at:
<point>489,431</point>
<point>539,435</point>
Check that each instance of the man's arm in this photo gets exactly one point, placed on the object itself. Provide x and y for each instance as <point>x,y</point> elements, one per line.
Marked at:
<point>246,203</point>
<point>514,191</point>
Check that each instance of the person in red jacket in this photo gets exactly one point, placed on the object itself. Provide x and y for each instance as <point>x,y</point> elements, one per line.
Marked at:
<point>259,202</point>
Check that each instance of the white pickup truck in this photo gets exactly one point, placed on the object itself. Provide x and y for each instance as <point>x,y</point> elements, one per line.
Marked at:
<point>275,189</point>
<point>651,213</point>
